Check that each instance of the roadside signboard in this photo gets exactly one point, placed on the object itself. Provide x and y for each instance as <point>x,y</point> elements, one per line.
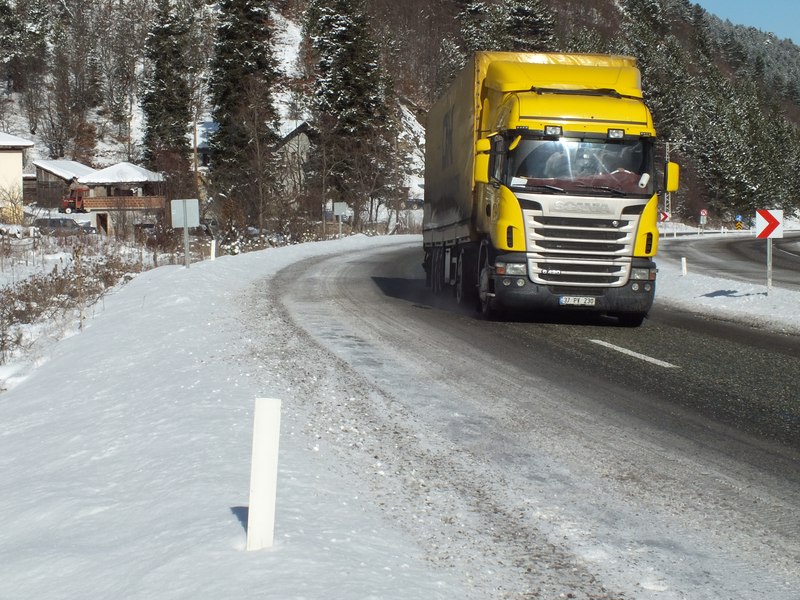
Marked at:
<point>769,223</point>
<point>185,213</point>
<point>663,216</point>
<point>340,210</point>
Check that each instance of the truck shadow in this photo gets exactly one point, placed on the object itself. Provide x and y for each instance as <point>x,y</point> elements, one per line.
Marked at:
<point>416,293</point>
<point>412,291</point>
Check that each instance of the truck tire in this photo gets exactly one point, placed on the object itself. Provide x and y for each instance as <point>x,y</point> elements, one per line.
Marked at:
<point>68,210</point>
<point>485,295</point>
<point>427,266</point>
<point>466,280</point>
<point>437,270</point>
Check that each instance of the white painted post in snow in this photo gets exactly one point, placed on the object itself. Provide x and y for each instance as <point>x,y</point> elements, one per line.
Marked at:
<point>186,234</point>
<point>213,253</point>
<point>263,474</point>
<point>684,267</point>
<point>769,266</point>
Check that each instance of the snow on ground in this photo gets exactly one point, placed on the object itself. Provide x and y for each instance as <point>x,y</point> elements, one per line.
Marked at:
<point>125,450</point>
<point>748,303</point>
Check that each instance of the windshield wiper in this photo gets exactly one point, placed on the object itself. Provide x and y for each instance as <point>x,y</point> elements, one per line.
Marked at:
<point>543,186</point>
<point>604,188</point>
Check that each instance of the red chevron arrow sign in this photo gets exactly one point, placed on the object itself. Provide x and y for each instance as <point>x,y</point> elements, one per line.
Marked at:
<point>769,223</point>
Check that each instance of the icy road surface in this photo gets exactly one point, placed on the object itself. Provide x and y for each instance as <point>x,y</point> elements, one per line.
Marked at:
<point>527,482</point>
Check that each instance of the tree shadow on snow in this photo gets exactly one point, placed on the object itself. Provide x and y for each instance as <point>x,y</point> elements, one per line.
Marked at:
<point>731,294</point>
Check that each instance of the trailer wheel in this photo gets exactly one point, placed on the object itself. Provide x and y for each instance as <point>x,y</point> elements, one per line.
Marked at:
<point>437,271</point>
<point>426,265</point>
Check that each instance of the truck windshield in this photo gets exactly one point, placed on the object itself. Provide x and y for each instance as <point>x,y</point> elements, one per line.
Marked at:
<point>583,166</point>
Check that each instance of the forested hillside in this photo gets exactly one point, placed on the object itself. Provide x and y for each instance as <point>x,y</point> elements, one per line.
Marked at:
<point>100,81</point>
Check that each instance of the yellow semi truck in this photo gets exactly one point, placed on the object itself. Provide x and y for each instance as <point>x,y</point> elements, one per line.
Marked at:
<point>540,186</point>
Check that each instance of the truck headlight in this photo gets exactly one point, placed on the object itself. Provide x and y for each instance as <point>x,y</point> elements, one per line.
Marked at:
<point>502,268</point>
<point>643,274</point>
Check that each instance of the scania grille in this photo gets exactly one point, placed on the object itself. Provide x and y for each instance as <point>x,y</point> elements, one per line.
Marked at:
<point>579,251</point>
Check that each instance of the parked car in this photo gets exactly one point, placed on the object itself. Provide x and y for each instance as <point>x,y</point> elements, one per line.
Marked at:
<point>62,227</point>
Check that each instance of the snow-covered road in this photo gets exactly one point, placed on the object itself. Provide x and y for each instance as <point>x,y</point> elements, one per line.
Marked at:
<point>124,453</point>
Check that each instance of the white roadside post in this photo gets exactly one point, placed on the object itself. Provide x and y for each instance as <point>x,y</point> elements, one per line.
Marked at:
<point>769,224</point>
<point>264,474</point>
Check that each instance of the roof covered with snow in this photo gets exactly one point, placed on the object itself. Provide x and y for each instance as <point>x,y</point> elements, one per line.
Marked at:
<point>65,169</point>
<point>12,141</point>
<point>123,172</point>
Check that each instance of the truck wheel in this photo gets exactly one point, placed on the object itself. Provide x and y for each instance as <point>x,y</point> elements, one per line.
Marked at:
<point>485,295</point>
<point>436,270</point>
<point>465,278</point>
<point>631,319</point>
<point>68,210</point>
<point>426,265</point>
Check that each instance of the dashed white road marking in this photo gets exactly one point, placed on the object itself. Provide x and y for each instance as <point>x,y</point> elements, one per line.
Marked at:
<point>649,359</point>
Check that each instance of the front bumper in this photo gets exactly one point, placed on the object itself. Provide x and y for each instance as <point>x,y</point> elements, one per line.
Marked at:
<point>520,293</point>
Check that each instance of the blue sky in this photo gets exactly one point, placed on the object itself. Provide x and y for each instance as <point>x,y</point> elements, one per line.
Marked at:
<point>781,17</point>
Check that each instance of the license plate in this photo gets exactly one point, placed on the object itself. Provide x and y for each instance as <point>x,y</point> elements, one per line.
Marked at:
<point>576,300</point>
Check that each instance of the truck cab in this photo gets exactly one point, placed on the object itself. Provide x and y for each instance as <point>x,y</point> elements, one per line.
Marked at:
<point>561,208</point>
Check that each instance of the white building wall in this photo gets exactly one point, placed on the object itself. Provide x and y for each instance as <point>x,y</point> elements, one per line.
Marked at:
<point>10,174</point>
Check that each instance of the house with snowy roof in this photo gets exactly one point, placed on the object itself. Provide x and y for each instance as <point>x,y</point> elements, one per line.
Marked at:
<point>12,159</point>
<point>120,195</point>
<point>117,196</point>
<point>121,179</point>
<point>54,178</point>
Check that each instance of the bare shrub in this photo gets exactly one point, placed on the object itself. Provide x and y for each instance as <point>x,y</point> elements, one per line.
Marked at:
<point>61,294</point>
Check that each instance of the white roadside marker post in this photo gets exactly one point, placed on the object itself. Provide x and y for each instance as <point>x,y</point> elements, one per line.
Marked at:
<point>769,266</point>
<point>263,474</point>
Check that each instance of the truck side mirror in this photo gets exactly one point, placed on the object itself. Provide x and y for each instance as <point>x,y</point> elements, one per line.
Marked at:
<point>482,148</point>
<point>671,177</point>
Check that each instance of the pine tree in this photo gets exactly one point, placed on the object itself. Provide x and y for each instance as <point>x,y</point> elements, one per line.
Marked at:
<point>513,25</point>
<point>242,83</point>
<point>165,102</point>
<point>478,28</point>
<point>120,59</point>
<point>351,107</point>
<point>9,37</point>
<point>528,26</point>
